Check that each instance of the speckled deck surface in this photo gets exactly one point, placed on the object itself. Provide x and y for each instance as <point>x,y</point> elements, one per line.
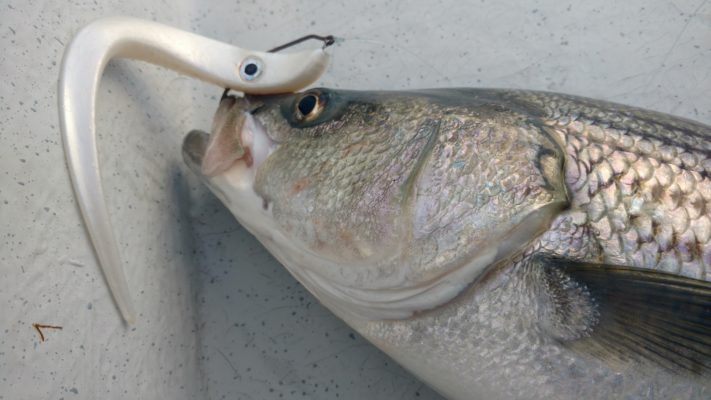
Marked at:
<point>218,317</point>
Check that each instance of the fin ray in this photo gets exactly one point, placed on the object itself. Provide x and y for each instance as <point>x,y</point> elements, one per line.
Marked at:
<point>637,315</point>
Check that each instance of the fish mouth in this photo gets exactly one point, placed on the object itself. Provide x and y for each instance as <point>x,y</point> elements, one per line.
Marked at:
<point>237,138</point>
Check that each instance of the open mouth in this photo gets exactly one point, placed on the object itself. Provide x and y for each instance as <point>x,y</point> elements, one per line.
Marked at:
<point>236,138</point>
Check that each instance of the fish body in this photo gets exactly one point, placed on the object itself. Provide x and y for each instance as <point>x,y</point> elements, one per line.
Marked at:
<point>497,243</point>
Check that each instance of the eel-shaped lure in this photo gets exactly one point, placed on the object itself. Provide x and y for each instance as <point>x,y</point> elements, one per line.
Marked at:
<point>84,61</point>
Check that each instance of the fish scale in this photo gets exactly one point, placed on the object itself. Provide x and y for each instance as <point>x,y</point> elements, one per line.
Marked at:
<point>610,219</point>
<point>646,185</point>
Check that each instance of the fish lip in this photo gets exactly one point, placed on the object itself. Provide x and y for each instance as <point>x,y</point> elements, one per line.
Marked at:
<point>252,135</point>
<point>194,147</point>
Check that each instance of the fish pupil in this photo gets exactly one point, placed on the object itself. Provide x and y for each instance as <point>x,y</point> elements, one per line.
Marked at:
<point>307,104</point>
<point>250,69</point>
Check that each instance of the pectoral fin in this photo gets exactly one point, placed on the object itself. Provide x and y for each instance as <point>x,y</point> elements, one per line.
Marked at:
<point>633,314</point>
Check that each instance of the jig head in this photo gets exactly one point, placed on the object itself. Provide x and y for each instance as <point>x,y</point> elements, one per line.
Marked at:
<point>83,64</point>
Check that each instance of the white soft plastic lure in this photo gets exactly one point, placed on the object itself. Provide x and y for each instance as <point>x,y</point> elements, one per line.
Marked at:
<point>85,58</point>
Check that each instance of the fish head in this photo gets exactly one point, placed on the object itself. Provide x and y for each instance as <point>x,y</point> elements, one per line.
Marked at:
<point>382,204</point>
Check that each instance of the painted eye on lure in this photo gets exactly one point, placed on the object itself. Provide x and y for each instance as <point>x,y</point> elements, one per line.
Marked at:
<point>250,69</point>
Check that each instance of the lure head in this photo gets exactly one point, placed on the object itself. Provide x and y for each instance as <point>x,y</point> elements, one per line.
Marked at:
<point>381,203</point>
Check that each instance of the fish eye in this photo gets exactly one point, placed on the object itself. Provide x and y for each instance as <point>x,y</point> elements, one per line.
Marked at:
<point>250,69</point>
<point>308,107</point>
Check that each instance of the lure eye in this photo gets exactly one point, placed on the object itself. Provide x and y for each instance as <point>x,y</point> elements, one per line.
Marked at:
<point>308,107</point>
<point>250,69</point>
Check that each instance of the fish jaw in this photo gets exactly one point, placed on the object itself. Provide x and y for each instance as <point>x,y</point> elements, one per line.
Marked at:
<point>236,136</point>
<point>230,175</point>
<point>235,189</point>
